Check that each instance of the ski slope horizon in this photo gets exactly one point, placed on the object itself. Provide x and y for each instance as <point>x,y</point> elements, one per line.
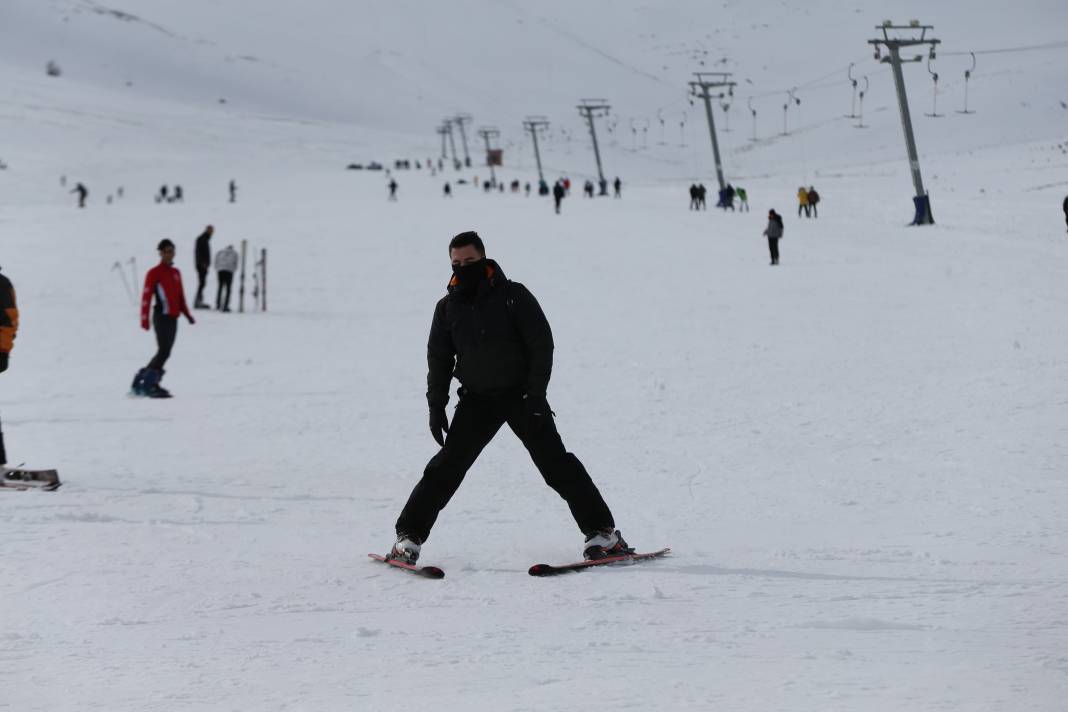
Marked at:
<point>858,457</point>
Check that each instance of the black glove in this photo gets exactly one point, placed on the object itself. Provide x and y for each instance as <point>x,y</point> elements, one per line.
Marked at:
<point>3,362</point>
<point>537,411</point>
<point>438,422</point>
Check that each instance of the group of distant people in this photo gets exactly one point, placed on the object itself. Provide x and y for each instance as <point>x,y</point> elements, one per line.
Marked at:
<point>807,201</point>
<point>165,194</point>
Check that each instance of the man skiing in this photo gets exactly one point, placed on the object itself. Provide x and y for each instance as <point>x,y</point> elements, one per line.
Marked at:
<point>82,192</point>
<point>202,257</point>
<point>163,281</point>
<point>490,333</point>
<point>225,266</point>
<point>1065,206</point>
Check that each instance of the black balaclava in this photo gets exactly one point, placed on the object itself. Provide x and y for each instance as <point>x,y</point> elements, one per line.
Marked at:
<point>469,275</point>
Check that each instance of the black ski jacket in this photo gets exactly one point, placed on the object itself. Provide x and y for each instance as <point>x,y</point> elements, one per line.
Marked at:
<point>496,342</point>
<point>202,254</point>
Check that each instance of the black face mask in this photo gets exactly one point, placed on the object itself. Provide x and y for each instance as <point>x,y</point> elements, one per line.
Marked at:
<point>468,276</point>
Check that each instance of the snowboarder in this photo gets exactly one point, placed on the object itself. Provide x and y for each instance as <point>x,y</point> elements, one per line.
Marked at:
<point>617,184</point>
<point>82,192</point>
<point>233,191</point>
<point>9,325</point>
<point>448,190</point>
<point>587,189</point>
<point>694,205</point>
<point>813,201</point>
<point>558,195</point>
<point>163,281</point>
<point>392,189</point>
<point>774,233</point>
<point>202,260</point>
<point>743,199</point>
<point>802,202</point>
<point>491,334</point>
<point>702,196</point>
<point>225,266</point>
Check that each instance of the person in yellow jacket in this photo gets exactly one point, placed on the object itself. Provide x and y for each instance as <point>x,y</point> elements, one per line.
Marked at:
<point>802,201</point>
<point>9,324</point>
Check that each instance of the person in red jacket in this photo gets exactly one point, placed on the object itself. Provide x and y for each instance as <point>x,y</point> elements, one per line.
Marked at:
<point>164,282</point>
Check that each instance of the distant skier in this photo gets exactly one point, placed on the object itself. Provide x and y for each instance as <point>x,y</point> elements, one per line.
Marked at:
<point>9,326</point>
<point>526,188</point>
<point>774,232</point>
<point>448,190</point>
<point>1065,206</point>
<point>802,202</point>
<point>702,196</point>
<point>225,266</point>
<point>491,334</point>
<point>617,184</point>
<point>119,192</point>
<point>587,189</point>
<point>392,189</point>
<point>743,199</point>
<point>813,201</point>
<point>82,192</point>
<point>694,204</point>
<point>202,260</point>
<point>558,195</point>
<point>161,197</point>
<point>178,198</point>
<point>233,191</point>
<point>164,282</point>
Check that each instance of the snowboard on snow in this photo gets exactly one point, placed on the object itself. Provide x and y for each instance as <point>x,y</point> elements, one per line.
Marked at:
<point>22,479</point>
<point>432,572</point>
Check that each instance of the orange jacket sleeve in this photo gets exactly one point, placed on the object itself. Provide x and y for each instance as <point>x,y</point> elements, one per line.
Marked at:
<point>9,316</point>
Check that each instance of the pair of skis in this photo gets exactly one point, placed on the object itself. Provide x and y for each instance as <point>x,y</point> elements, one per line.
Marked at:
<point>434,572</point>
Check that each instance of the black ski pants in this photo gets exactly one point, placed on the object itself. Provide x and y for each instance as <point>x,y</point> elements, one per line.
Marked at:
<point>773,247</point>
<point>166,329</point>
<point>475,422</point>
<point>202,278</point>
<point>3,453</point>
<point>226,279</point>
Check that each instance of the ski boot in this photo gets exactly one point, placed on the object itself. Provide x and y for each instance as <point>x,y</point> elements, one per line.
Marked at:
<point>604,543</point>
<point>150,385</point>
<point>137,388</point>
<point>406,549</point>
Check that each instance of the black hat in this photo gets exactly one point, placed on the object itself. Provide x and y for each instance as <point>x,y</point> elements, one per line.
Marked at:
<point>164,244</point>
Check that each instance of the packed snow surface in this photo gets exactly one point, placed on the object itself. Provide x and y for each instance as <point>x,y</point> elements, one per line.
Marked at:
<point>858,456</point>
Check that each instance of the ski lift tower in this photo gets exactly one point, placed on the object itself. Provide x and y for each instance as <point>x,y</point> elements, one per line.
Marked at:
<point>591,109</point>
<point>534,124</point>
<point>461,120</point>
<point>488,132</point>
<point>893,45</point>
<point>701,88</point>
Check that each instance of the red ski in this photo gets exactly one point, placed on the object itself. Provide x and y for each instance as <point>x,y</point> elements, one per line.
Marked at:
<point>550,570</point>
<point>432,572</point>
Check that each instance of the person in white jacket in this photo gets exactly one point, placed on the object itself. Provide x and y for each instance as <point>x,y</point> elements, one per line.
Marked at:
<point>225,265</point>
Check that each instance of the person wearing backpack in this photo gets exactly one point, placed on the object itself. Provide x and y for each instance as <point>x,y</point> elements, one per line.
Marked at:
<point>774,232</point>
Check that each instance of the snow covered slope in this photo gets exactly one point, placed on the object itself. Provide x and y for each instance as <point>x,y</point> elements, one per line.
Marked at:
<point>857,456</point>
